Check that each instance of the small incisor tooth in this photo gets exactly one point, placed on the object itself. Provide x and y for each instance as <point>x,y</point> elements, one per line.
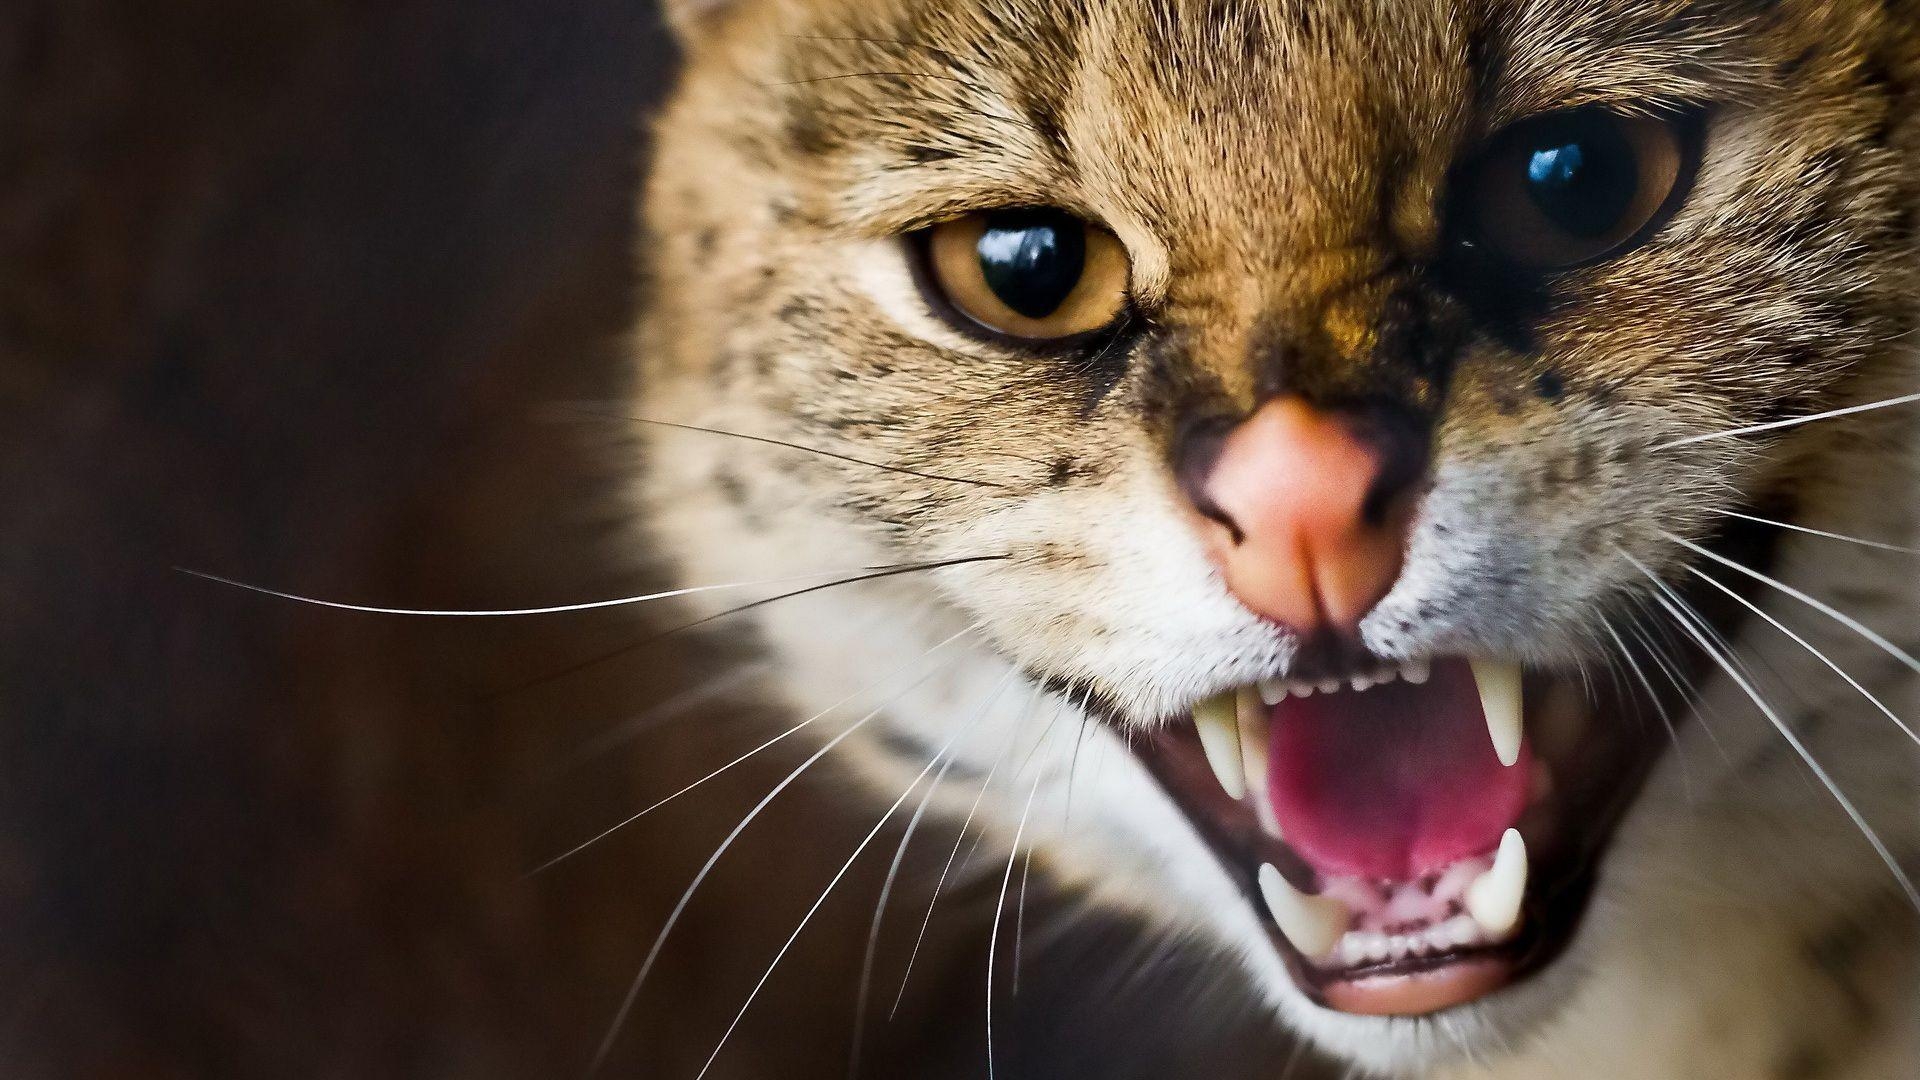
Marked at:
<point>1219,730</point>
<point>1272,691</point>
<point>1493,899</point>
<point>1313,924</point>
<point>1499,685</point>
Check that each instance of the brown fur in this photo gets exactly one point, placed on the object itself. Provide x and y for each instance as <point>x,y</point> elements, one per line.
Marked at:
<point>1265,190</point>
<point>1279,173</point>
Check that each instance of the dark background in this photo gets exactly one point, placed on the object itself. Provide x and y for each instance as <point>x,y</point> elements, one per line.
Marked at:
<point>286,293</point>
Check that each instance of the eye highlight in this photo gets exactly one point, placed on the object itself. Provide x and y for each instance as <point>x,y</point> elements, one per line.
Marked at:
<point>1578,187</point>
<point>1036,275</point>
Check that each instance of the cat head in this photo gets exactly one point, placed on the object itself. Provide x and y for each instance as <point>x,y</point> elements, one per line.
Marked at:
<point>1321,394</point>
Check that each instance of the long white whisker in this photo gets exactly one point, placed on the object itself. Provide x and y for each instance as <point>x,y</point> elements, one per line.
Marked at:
<point>562,609</point>
<point>1905,399</point>
<point>893,874</point>
<point>1817,654</point>
<point>1020,919</point>
<point>1659,707</point>
<point>1617,675</point>
<point>1786,732</point>
<point>959,839</point>
<point>658,715</point>
<point>1670,666</point>
<point>1039,743</point>
<point>679,908</point>
<point>756,751</point>
<point>1073,765</point>
<point>1814,602</point>
<point>1818,532</point>
<point>821,901</point>
<point>999,908</point>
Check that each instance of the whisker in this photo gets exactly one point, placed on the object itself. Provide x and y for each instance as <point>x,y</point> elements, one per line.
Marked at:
<point>999,908</point>
<point>657,715</point>
<point>1020,919</point>
<point>1659,707</point>
<point>1818,532</point>
<point>1617,675</point>
<point>959,839</point>
<point>800,447</point>
<point>679,908</point>
<point>1814,602</point>
<point>968,83</point>
<point>756,751</point>
<point>1661,651</point>
<point>562,609</point>
<point>875,574</point>
<point>1905,399</point>
<point>1817,654</point>
<point>787,946</point>
<point>947,54</point>
<point>1786,732</point>
<point>1039,743</point>
<point>893,874</point>
<point>1073,764</point>
<point>797,446</point>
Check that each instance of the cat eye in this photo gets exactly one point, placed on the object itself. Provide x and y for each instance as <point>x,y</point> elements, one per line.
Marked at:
<point>1574,188</point>
<point>1037,275</point>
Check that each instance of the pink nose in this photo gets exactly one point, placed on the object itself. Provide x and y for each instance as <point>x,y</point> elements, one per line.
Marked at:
<point>1308,514</point>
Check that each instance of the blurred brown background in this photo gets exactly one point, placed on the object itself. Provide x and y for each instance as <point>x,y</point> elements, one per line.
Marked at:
<point>286,292</point>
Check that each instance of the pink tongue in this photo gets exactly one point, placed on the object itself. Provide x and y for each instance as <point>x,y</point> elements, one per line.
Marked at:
<point>1392,782</point>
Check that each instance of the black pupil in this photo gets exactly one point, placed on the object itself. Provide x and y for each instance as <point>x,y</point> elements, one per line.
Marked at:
<point>1584,178</point>
<point>1033,260</point>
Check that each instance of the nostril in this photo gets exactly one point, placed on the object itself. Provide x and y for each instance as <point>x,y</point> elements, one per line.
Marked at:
<point>1198,453</point>
<point>1402,441</point>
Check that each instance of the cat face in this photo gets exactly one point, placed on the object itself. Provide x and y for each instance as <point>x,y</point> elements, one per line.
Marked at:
<point>1438,307</point>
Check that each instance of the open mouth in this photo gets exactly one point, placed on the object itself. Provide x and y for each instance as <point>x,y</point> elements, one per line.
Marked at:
<point>1418,836</point>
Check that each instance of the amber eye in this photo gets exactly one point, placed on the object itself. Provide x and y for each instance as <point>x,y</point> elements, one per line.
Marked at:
<point>1576,187</point>
<point>1038,275</point>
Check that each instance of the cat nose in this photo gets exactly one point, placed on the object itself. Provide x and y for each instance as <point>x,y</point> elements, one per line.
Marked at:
<point>1307,509</point>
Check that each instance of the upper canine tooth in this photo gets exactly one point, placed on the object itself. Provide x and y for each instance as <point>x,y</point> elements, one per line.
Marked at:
<point>1416,671</point>
<point>1272,691</point>
<point>1493,899</point>
<point>1499,683</point>
<point>1252,717</point>
<point>1314,924</point>
<point>1219,732</point>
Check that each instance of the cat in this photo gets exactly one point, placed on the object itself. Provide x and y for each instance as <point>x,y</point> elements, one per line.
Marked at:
<point>1377,489</point>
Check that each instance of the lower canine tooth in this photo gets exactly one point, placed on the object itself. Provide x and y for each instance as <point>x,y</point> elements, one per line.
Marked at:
<point>1313,924</point>
<point>1494,897</point>
<point>1499,684</point>
<point>1219,730</point>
